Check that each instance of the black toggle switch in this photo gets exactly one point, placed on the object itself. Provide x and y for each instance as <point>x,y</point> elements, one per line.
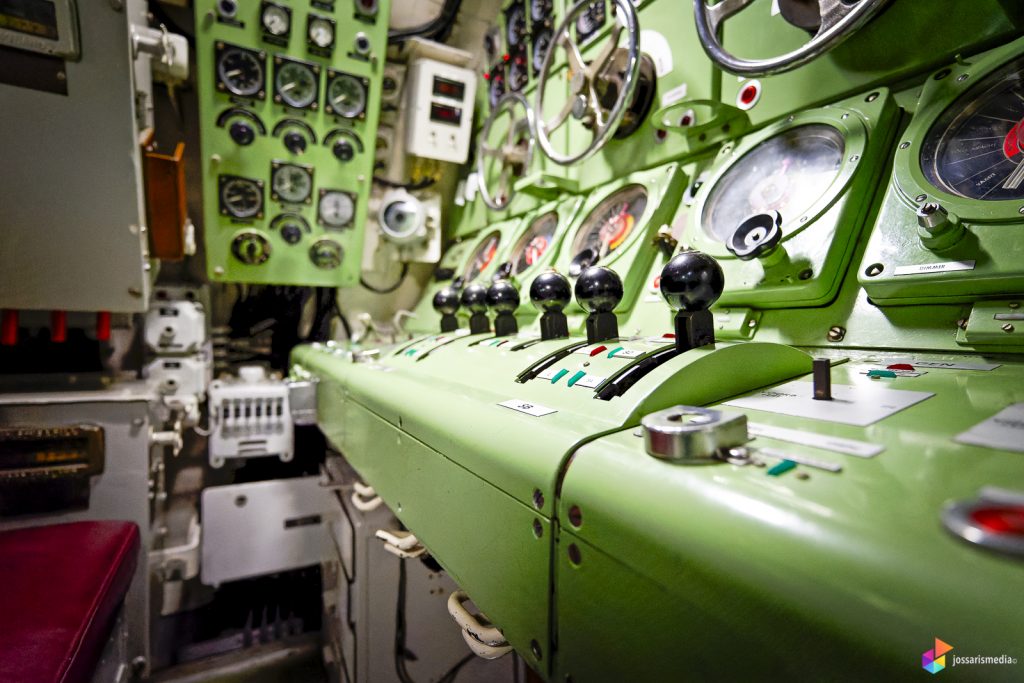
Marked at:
<point>294,142</point>
<point>503,299</point>
<point>474,298</point>
<point>550,293</point>
<point>599,291</point>
<point>343,150</point>
<point>690,283</point>
<point>446,302</point>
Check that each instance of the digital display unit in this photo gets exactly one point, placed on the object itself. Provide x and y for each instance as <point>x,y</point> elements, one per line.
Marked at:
<point>442,113</point>
<point>445,87</point>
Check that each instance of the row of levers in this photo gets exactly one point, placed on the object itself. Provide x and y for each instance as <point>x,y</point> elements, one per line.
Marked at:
<point>657,340</point>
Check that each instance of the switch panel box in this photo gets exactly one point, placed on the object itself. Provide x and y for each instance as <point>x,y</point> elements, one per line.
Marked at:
<point>440,110</point>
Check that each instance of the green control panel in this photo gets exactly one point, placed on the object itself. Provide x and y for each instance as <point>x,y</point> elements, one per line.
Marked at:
<point>289,99</point>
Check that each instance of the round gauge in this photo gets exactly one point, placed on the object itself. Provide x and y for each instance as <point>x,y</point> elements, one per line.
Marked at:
<point>482,256</point>
<point>240,72</point>
<point>402,217</point>
<point>290,226</point>
<point>607,227</point>
<point>787,173</point>
<point>518,73</point>
<point>296,84</point>
<point>495,88</point>
<point>251,248</point>
<point>240,197</point>
<point>321,32</point>
<point>346,95</point>
<point>326,254</point>
<point>540,10</point>
<point>541,43</point>
<point>534,243</point>
<point>592,19</point>
<point>276,20</point>
<point>975,148</point>
<point>292,183</point>
<point>515,25</point>
<point>337,209</point>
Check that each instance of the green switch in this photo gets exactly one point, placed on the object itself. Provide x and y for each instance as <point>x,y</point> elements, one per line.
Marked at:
<point>559,375</point>
<point>577,377</point>
<point>781,468</point>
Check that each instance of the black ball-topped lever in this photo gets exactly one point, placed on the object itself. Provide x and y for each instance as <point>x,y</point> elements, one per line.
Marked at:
<point>503,299</point>
<point>446,302</point>
<point>474,299</point>
<point>598,291</point>
<point>550,293</point>
<point>690,283</point>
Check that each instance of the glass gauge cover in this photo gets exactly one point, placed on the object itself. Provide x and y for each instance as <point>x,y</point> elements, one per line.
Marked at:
<point>590,21</point>
<point>326,254</point>
<point>276,20</point>
<point>346,95</point>
<point>337,209</point>
<point>292,183</point>
<point>515,25</point>
<point>482,256</point>
<point>540,10</point>
<point>518,71</point>
<point>976,146</point>
<point>787,173</point>
<point>296,84</point>
<point>607,227</point>
<point>401,218</point>
<point>495,87</point>
<point>240,72</point>
<point>321,32</point>
<point>534,243</point>
<point>541,43</point>
<point>240,197</point>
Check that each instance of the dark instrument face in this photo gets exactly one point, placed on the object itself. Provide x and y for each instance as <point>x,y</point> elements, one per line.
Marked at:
<point>976,146</point>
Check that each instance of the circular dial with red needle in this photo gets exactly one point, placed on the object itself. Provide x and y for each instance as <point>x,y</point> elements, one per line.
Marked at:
<point>976,146</point>
<point>607,227</point>
<point>534,243</point>
<point>482,256</point>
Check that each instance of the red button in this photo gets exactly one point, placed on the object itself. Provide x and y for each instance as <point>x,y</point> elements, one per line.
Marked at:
<point>1002,519</point>
<point>598,350</point>
<point>748,94</point>
<point>900,366</point>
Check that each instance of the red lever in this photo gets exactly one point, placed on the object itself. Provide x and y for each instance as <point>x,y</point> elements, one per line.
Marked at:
<point>59,326</point>
<point>9,328</point>
<point>103,326</point>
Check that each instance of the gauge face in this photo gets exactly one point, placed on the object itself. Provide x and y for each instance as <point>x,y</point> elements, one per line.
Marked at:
<point>326,254</point>
<point>607,227</point>
<point>976,147</point>
<point>515,25</point>
<point>787,173</point>
<point>346,95</point>
<point>495,87</point>
<point>535,242</point>
<point>296,84</point>
<point>540,10</point>
<point>401,218</point>
<point>290,226</point>
<point>292,183</point>
<point>241,197</point>
<point>240,72</point>
<point>276,20</point>
<point>482,256</point>
<point>518,72</point>
<point>590,21</point>
<point>251,248</point>
<point>541,43</point>
<point>337,209</point>
<point>321,32</point>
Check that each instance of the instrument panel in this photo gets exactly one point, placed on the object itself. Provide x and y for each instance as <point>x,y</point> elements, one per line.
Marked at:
<point>289,100</point>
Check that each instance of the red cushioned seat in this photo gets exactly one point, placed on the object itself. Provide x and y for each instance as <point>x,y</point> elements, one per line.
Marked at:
<point>62,586</point>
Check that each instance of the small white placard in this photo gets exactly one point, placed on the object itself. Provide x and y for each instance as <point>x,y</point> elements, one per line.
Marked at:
<point>859,405</point>
<point>942,364</point>
<point>526,407</point>
<point>548,374</point>
<point>1004,430</point>
<point>943,267</point>
<point>589,381</point>
<point>628,353</point>
<point>673,95</point>
<point>861,449</point>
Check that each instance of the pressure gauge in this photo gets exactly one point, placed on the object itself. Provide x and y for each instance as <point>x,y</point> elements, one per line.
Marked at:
<point>337,209</point>
<point>276,20</point>
<point>402,217</point>
<point>241,197</point>
<point>326,254</point>
<point>515,25</point>
<point>291,183</point>
<point>240,72</point>
<point>296,83</point>
<point>482,256</point>
<point>346,95</point>
<point>321,32</point>
<point>607,227</point>
<point>534,243</point>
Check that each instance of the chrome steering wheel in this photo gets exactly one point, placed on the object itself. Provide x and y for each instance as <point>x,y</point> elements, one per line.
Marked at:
<point>513,154</point>
<point>587,82</point>
<point>839,21</point>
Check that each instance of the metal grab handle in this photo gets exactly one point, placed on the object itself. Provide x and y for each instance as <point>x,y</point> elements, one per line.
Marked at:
<point>485,651</point>
<point>485,635</point>
<point>364,498</point>
<point>401,543</point>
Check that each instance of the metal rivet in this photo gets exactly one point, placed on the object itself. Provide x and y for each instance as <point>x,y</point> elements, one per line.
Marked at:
<point>575,516</point>
<point>921,197</point>
<point>874,270</point>
<point>844,117</point>
<point>1020,210</point>
<point>962,77</point>
<point>538,499</point>
<point>803,475</point>
<point>855,157</point>
<point>806,274</point>
<point>962,323</point>
<point>1014,304</point>
<point>872,97</point>
<point>574,554</point>
<point>535,649</point>
<point>538,528</point>
<point>836,333</point>
<point>1007,327</point>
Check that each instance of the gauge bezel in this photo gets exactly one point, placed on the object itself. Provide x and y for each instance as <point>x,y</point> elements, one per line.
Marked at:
<point>220,50</point>
<point>482,237</point>
<point>310,18</point>
<point>263,27</point>
<point>276,166</point>
<point>223,180</point>
<point>327,240</point>
<point>280,62</point>
<point>417,231</point>
<point>940,91</point>
<point>319,213</point>
<point>594,204</point>
<point>563,213</point>
<point>248,232</point>
<point>855,137</point>
<point>332,76</point>
<point>278,221</point>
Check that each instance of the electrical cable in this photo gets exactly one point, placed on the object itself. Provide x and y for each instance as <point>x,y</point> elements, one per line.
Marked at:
<point>386,290</point>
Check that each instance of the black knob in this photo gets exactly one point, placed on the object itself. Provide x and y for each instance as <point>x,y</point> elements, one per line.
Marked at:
<point>291,233</point>
<point>550,293</point>
<point>474,299</point>
<point>503,299</point>
<point>692,281</point>
<point>756,236</point>
<point>599,291</point>
<point>343,150</point>
<point>446,302</point>
<point>295,142</point>
<point>242,133</point>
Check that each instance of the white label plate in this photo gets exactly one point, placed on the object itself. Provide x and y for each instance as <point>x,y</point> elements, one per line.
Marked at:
<point>628,353</point>
<point>526,407</point>
<point>589,381</point>
<point>943,267</point>
<point>859,405</point>
<point>1004,430</point>
<point>548,374</point>
<point>676,94</point>
<point>861,449</point>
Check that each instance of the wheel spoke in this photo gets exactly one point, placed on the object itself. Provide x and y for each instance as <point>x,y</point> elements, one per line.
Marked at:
<point>607,51</point>
<point>573,52</point>
<point>831,12</point>
<point>489,151</point>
